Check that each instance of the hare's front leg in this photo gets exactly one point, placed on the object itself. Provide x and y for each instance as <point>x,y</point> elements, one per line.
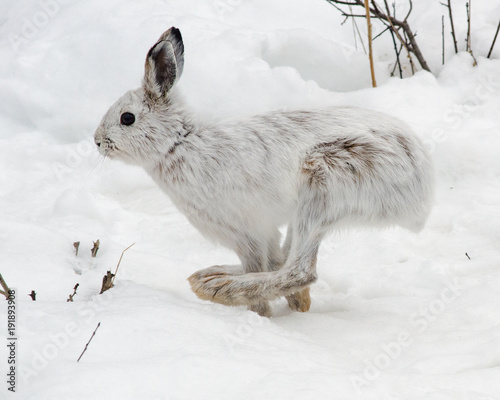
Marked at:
<point>262,256</point>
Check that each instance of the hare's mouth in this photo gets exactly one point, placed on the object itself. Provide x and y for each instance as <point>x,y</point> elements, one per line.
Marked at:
<point>106,147</point>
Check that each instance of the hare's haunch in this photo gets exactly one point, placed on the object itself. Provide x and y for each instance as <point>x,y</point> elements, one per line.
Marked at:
<point>238,181</point>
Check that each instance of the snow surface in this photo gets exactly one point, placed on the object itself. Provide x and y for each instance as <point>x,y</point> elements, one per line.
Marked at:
<point>394,315</point>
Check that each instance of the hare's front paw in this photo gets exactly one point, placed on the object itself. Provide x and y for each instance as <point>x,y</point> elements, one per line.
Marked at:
<point>263,309</point>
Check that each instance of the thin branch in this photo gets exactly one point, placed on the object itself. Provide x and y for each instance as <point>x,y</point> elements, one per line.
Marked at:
<point>409,10</point>
<point>494,40</point>
<point>452,25</point>
<point>404,43</point>
<point>412,65</point>
<point>387,28</point>
<point>375,6</point>
<point>469,42</point>
<point>87,345</point>
<point>337,7</point>
<point>349,3</point>
<point>398,62</point>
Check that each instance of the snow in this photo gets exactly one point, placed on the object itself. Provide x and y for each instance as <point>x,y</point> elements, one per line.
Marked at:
<point>394,316</point>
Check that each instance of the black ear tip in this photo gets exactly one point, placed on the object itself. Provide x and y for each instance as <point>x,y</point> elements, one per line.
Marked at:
<point>176,33</point>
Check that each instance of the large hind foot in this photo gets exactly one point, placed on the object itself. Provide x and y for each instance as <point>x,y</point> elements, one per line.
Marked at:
<point>300,301</point>
<point>229,285</point>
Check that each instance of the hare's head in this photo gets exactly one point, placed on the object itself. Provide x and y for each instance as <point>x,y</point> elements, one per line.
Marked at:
<point>145,123</point>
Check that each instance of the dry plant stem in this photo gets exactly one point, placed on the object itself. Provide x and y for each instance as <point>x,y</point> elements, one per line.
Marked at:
<point>442,39</point>
<point>95,248</point>
<point>118,265</point>
<point>494,40</point>
<point>356,31</point>
<point>370,48</point>
<point>107,282</point>
<point>6,289</point>
<point>32,295</point>
<point>76,245</point>
<point>87,345</point>
<point>109,278</point>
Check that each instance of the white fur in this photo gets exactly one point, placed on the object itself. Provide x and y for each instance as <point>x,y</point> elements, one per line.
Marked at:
<point>239,180</point>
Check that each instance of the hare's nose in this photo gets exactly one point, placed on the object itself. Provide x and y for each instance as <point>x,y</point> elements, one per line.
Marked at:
<point>97,142</point>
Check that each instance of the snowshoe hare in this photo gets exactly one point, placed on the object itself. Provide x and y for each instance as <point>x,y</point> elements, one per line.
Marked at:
<point>239,180</point>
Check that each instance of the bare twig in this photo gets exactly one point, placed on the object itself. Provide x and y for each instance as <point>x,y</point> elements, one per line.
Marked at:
<point>450,13</point>
<point>370,48</point>
<point>32,295</point>
<point>467,256</point>
<point>6,289</point>
<point>404,42</point>
<point>87,345</point>
<point>410,60</point>
<point>398,62</point>
<point>76,245</point>
<point>95,248</point>
<point>494,40</point>
<point>469,43</point>
<point>387,28</point>
<point>411,43</point>
<point>467,40</point>
<point>70,298</point>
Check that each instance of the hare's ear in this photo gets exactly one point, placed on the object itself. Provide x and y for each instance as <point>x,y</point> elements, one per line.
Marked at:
<point>164,64</point>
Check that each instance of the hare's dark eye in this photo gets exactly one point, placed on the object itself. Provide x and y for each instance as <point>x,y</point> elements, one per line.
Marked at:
<point>127,118</point>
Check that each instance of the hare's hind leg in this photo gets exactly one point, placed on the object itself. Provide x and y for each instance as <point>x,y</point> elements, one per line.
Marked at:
<point>256,255</point>
<point>309,227</point>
